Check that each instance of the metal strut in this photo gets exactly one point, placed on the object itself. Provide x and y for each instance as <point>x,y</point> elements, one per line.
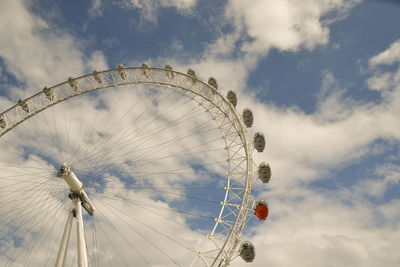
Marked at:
<point>65,239</point>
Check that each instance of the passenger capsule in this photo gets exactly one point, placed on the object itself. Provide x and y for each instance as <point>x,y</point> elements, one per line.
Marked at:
<point>259,142</point>
<point>247,251</point>
<point>191,73</point>
<point>48,93</point>
<point>248,117</point>
<point>169,72</point>
<point>121,71</point>
<point>145,70</point>
<point>213,82</point>
<point>23,105</point>
<point>73,83</point>
<point>264,172</point>
<point>98,77</point>
<point>232,98</point>
<point>3,123</point>
<point>261,210</point>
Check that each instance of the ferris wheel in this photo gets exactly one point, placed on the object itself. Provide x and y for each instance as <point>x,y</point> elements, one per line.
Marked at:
<point>154,166</point>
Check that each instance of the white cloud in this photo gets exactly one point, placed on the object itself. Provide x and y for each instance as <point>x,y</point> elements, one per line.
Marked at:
<point>97,61</point>
<point>95,9</point>
<point>332,104</point>
<point>33,52</point>
<point>384,177</point>
<point>315,229</point>
<point>387,57</point>
<point>386,82</point>
<point>149,8</point>
<point>348,226</point>
<point>302,147</point>
<point>287,25</point>
<point>381,81</point>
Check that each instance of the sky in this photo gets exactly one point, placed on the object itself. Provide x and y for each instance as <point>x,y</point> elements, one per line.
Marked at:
<point>322,78</point>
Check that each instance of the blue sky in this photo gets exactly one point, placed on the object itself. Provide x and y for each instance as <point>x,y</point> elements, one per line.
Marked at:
<point>321,76</point>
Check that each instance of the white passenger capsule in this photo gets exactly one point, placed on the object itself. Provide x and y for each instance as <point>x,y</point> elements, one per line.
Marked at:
<point>169,72</point>
<point>145,70</point>
<point>121,71</point>
<point>248,117</point>
<point>232,98</point>
<point>98,76</point>
<point>3,123</point>
<point>23,105</point>
<point>247,251</point>
<point>191,73</point>
<point>264,172</point>
<point>213,82</point>
<point>259,142</point>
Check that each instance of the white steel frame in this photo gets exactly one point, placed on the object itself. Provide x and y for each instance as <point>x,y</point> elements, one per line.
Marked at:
<point>222,243</point>
<point>75,211</point>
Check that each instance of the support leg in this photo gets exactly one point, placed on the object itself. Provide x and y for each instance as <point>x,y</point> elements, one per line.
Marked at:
<point>82,253</point>
<point>65,239</point>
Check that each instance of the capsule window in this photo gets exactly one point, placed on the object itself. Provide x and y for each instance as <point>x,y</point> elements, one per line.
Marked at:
<point>213,82</point>
<point>264,172</point>
<point>232,98</point>
<point>259,142</point>
<point>192,74</point>
<point>247,117</point>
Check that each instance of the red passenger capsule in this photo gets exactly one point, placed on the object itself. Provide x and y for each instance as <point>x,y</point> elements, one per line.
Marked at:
<point>261,210</point>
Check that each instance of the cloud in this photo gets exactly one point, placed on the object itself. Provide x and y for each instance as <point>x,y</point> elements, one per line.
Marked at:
<point>95,9</point>
<point>97,61</point>
<point>351,223</point>
<point>303,147</point>
<point>387,57</point>
<point>319,229</point>
<point>377,187</point>
<point>332,104</point>
<point>33,52</point>
<point>149,9</point>
<point>382,80</point>
<point>286,25</point>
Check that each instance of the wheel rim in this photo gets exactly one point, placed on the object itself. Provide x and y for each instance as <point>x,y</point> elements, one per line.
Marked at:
<point>222,241</point>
